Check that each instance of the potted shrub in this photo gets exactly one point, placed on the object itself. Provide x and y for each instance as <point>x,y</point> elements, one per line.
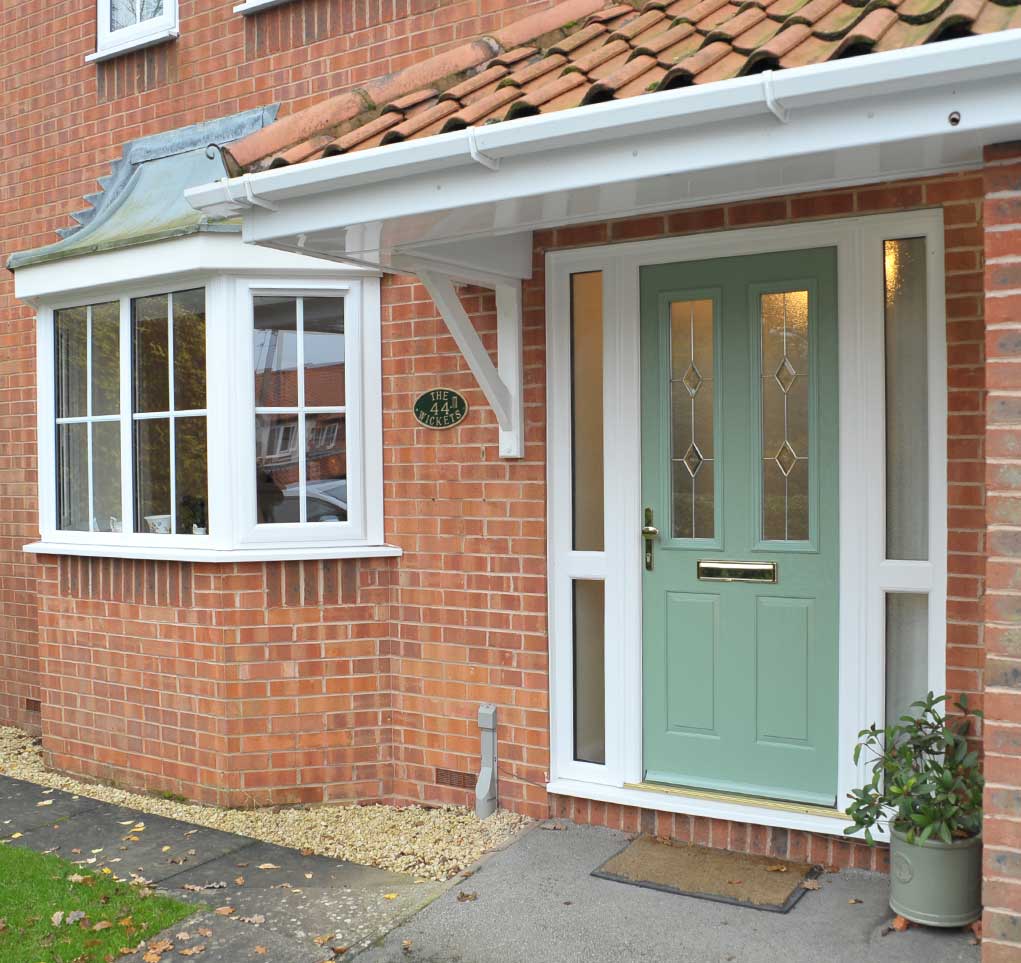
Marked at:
<point>926,787</point>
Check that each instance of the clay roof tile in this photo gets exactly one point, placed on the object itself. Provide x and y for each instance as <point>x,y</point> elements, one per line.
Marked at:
<point>481,108</point>
<point>481,80</point>
<point>684,73</point>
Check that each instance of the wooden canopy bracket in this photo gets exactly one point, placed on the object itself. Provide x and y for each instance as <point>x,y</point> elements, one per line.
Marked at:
<point>500,383</point>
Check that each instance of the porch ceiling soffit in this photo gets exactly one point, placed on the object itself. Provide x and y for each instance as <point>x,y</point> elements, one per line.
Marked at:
<point>142,198</point>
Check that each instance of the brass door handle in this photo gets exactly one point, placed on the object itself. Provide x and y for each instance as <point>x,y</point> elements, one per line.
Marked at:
<point>650,533</point>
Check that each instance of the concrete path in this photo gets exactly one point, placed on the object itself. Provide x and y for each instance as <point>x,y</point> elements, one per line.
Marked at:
<point>535,902</point>
<point>281,913</point>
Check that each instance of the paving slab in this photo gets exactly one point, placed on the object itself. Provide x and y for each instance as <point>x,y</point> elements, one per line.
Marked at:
<point>24,806</point>
<point>536,902</point>
<point>296,908</point>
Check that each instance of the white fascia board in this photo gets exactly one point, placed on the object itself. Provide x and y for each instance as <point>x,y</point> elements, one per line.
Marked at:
<point>882,98</point>
<point>161,262</point>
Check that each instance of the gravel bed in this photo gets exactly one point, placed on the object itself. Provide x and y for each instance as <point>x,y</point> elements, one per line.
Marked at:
<point>428,843</point>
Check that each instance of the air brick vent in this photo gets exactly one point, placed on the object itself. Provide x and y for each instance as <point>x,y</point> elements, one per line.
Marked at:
<point>459,780</point>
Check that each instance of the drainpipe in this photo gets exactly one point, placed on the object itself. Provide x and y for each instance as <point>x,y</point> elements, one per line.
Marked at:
<point>485,788</point>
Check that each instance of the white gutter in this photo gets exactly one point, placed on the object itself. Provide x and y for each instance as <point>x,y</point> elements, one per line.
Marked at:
<point>993,59</point>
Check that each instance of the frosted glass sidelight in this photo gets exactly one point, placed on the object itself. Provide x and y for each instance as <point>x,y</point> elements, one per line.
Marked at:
<point>785,415</point>
<point>907,652</point>
<point>692,448</point>
<point>589,672</point>
<point>587,408</point>
<point>907,391</point>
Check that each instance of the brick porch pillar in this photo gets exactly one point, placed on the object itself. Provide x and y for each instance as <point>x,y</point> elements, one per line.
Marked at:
<point>1002,865</point>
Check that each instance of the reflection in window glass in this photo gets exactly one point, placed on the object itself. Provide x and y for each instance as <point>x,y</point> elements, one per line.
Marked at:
<point>170,455</point>
<point>589,672</point>
<point>691,418</point>
<point>587,408</point>
<point>785,415</point>
<point>300,436</point>
<point>87,375</point>
<point>907,652</point>
<point>127,13</point>
<point>907,407</point>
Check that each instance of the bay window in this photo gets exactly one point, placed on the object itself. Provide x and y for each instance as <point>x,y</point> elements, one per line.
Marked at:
<point>217,417</point>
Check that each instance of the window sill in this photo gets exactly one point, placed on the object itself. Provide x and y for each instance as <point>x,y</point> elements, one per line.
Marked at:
<point>176,553</point>
<point>254,6</point>
<point>138,43</point>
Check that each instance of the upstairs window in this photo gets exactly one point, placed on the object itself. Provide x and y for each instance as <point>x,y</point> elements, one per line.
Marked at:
<point>125,25</point>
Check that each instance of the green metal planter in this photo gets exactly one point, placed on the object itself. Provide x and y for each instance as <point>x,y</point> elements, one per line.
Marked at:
<point>936,883</point>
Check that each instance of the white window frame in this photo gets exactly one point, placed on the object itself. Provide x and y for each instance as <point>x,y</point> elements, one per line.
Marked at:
<point>866,576</point>
<point>255,6</point>
<point>113,43</point>
<point>233,534</point>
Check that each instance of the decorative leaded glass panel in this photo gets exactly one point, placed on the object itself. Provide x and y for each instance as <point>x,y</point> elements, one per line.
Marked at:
<point>692,450</point>
<point>785,416</point>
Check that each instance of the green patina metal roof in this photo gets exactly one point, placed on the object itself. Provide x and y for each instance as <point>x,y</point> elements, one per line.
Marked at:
<point>142,199</point>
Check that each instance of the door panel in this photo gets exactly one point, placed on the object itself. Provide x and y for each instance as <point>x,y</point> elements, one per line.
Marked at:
<point>739,463</point>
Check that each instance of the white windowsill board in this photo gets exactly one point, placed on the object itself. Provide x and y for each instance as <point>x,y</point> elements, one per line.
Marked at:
<point>177,553</point>
<point>138,43</point>
<point>254,6</point>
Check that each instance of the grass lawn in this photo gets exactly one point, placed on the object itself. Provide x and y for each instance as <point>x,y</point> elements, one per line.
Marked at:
<point>34,887</point>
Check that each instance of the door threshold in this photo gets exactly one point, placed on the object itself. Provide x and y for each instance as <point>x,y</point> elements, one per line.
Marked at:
<point>761,802</point>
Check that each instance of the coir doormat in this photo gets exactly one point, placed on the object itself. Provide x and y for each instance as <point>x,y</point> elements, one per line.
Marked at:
<point>760,882</point>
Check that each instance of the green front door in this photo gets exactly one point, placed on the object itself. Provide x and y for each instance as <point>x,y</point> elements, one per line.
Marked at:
<point>739,466</point>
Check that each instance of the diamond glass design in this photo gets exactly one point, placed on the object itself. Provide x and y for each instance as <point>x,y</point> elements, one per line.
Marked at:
<point>692,380</point>
<point>785,375</point>
<point>693,459</point>
<point>786,458</point>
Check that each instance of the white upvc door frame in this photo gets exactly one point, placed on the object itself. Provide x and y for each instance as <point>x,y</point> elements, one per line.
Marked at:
<point>866,576</point>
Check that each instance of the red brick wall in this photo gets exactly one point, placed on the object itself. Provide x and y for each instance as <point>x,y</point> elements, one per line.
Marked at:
<point>1002,890</point>
<point>63,121</point>
<point>232,684</point>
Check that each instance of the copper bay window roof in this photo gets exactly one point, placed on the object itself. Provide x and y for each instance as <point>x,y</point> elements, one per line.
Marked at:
<point>583,52</point>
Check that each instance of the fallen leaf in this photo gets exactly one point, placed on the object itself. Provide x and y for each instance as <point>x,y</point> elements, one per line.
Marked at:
<point>205,931</point>
<point>183,935</point>
<point>76,878</point>
<point>161,946</point>
<point>128,923</point>
<point>267,866</point>
<point>853,901</point>
<point>389,896</point>
<point>239,881</point>
<point>151,956</point>
<point>339,950</point>
<point>3,925</point>
<point>463,897</point>
<point>165,849</point>
<point>976,929</point>
<point>101,925</point>
<point>735,882</point>
<point>193,950</point>
<point>260,950</point>
<point>57,918</point>
<point>256,920</point>
<point>129,822</point>
<point>406,946</point>
<point>96,851</point>
<point>307,852</point>
<point>900,924</point>
<point>224,910</point>
<point>778,868</point>
<point>191,832</point>
<point>76,917</point>
<point>16,835</point>
<point>811,884</point>
<point>45,802</point>
<point>308,875</point>
<point>323,940</point>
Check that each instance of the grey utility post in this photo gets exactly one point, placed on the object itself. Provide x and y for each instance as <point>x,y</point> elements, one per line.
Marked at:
<point>485,788</point>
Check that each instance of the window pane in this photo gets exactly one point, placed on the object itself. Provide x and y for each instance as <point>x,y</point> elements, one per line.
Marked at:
<point>907,391</point>
<point>278,493</point>
<point>71,334</point>
<point>152,476</point>
<point>126,13</point>
<point>276,352</point>
<point>190,476</point>
<point>106,475</point>
<point>189,350</point>
<point>325,469</point>
<point>106,358</point>
<point>907,652</point>
<point>151,373</point>
<point>691,422</point>
<point>587,408</point>
<point>323,330</point>
<point>589,675</point>
<point>72,478</point>
<point>785,416</point>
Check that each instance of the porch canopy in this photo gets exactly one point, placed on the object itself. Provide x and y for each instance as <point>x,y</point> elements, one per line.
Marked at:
<point>445,168</point>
